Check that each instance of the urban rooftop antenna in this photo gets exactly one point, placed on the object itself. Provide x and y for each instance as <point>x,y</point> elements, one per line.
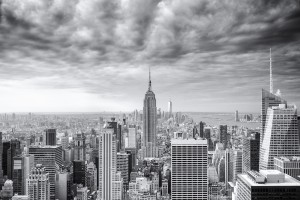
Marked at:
<point>271,76</point>
<point>149,80</point>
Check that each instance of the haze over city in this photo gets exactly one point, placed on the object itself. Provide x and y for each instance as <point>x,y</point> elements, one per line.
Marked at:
<point>91,56</point>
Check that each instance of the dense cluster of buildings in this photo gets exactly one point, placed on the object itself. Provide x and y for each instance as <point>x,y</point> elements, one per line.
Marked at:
<point>152,155</point>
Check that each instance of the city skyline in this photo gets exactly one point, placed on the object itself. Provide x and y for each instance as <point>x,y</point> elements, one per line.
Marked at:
<point>92,56</point>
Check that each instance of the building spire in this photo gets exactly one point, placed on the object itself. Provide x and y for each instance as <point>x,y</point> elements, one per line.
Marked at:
<point>150,87</point>
<point>271,76</point>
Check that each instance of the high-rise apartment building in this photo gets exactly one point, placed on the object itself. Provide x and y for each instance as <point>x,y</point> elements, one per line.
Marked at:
<point>80,147</point>
<point>149,120</point>
<point>281,135</point>
<point>267,184</point>
<point>51,159</point>
<point>251,153</point>
<point>50,137</point>
<point>189,169</point>
<point>38,184</point>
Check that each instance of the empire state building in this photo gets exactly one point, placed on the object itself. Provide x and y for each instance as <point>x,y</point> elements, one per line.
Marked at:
<point>149,122</point>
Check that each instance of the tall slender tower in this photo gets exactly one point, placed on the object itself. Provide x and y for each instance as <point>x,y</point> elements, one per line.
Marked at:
<point>110,181</point>
<point>170,108</point>
<point>149,118</point>
<point>271,76</point>
<point>268,100</point>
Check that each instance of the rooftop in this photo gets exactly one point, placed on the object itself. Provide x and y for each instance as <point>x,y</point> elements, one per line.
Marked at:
<point>45,146</point>
<point>288,180</point>
<point>189,141</point>
<point>289,159</point>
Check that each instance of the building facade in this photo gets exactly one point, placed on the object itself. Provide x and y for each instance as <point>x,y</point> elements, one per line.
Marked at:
<point>251,153</point>
<point>50,157</point>
<point>80,147</point>
<point>288,165</point>
<point>281,135</point>
<point>189,169</point>
<point>38,184</point>
<point>268,100</point>
<point>50,137</point>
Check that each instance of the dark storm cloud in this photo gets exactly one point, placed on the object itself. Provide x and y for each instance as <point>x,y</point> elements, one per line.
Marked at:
<point>204,49</point>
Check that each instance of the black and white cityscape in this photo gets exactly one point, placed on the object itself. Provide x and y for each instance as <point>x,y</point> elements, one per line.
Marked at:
<point>149,100</point>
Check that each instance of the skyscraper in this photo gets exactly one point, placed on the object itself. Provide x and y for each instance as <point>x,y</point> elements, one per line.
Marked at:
<point>227,167</point>
<point>79,149</point>
<point>13,151</point>
<point>268,100</point>
<point>299,127</point>
<point>281,135</point>
<point>38,184</point>
<point>132,131</point>
<point>1,150</point>
<point>237,116</point>
<point>17,177</point>
<point>6,146</point>
<point>122,166</point>
<point>117,132</point>
<point>65,142</point>
<point>251,153</point>
<point>63,183</point>
<point>149,119</point>
<point>223,135</point>
<point>92,176</point>
<point>108,178</point>
<point>170,109</point>
<point>50,137</point>
<point>79,172</point>
<point>51,159</point>
<point>201,129</point>
<point>235,166</point>
<point>189,169</point>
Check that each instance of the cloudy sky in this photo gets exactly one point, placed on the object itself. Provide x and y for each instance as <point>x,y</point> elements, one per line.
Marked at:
<point>93,55</point>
